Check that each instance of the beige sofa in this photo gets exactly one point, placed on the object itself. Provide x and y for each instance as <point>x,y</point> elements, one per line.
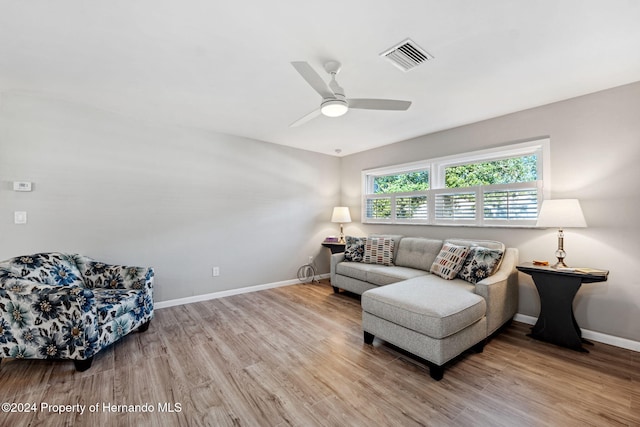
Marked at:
<point>431,317</point>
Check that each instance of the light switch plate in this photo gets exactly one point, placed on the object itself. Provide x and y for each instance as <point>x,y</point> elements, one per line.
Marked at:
<point>20,217</point>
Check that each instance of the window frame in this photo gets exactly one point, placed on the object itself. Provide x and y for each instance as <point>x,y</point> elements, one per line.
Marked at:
<point>436,168</point>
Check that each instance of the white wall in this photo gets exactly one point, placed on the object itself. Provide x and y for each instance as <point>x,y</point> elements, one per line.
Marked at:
<point>184,200</point>
<point>595,157</point>
<point>180,200</point>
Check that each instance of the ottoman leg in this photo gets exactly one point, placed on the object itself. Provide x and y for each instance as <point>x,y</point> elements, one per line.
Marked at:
<point>479,348</point>
<point>368,338</point>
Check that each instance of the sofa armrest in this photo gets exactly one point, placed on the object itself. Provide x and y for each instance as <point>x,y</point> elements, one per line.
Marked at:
<point>98,274</point>
<point>46,321</point>
<point>132,277</point>
<point>500,290</point>
<point>335,260</point>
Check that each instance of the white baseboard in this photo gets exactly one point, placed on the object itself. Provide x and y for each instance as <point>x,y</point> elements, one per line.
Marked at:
<point>590,335</point>
<point>230,292</point>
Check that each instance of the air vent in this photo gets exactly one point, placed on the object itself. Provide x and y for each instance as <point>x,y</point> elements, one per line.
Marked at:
<point>406,55</point>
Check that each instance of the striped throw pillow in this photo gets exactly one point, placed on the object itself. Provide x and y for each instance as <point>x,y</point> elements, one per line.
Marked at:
<point>449,261</point>
<point>378,250</point>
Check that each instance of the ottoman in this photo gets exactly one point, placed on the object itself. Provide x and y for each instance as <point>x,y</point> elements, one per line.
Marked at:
<point>432,318</point>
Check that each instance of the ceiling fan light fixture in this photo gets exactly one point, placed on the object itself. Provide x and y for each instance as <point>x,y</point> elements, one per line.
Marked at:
<point>334,102</point>
<point>334,108</point>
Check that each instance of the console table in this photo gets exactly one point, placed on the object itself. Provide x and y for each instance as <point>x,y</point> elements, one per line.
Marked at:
<point>557,288</point>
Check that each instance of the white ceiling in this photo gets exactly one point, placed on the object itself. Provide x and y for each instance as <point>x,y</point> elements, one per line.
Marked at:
<point>225,65</point>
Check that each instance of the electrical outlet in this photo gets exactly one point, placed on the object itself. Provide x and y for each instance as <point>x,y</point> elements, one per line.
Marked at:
<point>310,259</point>
<point>215,271</point>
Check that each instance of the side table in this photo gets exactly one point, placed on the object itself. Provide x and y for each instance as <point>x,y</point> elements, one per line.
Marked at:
<point>335,247</point>
<point>557,288</point>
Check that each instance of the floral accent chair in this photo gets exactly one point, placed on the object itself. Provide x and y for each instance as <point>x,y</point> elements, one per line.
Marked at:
<point>67,306</point>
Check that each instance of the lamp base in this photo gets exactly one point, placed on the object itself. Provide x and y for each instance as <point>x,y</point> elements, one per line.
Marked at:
<point>341,236</point>
<point>560,253</point>
<point>560,264</point>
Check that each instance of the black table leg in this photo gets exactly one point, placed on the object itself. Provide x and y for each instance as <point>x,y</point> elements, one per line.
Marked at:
<point>557,323</point>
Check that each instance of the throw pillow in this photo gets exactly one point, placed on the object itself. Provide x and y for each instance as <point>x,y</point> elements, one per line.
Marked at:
<point>449,261</point>
<point>480,264</point>
<point>378,250</point>
<point>354,248</point>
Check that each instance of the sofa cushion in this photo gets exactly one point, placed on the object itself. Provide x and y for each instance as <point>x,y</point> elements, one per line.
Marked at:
<point>383,275</point>
<point>480,263</point>
<point>378,250</point>
<point>417,252</point>
<point>427,305</point>
<point>375,274</point>
<point>355,270</point>
<point>449,261</point>
<point>354,248</point>
<point>113,303</point>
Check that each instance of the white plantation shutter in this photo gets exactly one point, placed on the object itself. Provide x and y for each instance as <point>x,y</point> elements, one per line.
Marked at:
<point>397,208</point>
<point>515,204</point>
<point>412,208</point>
<point>501,204</point>
<point>455,206</point>
<point>378,208</point>
<point>504,205</point>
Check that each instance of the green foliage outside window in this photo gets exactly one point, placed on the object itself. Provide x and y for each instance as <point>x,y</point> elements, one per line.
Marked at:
<point>406,182</point>
<point>506,171</point>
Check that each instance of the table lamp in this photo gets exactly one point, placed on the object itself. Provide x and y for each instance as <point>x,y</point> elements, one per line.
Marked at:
<point>341,215</point>
<point>561,213</point>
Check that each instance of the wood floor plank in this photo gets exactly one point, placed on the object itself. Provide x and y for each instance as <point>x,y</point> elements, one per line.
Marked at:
<point>295,356</point>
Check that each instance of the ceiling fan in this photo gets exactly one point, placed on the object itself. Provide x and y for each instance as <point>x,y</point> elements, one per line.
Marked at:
<point>334,103</point>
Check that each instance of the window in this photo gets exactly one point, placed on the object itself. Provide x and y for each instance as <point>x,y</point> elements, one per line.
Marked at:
<point>497,187</point>
<point>398,195</point>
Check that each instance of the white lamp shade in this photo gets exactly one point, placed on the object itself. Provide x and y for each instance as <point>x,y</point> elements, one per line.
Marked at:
<point>561,213</point>
<point>341,214</point>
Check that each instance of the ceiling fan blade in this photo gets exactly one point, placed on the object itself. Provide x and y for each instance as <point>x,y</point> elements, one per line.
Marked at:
<point>379,104</point>
<point>305,119</point>
<point>313,78</point>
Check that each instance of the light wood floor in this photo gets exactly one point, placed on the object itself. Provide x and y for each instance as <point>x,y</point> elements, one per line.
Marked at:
<point>295,356</point>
